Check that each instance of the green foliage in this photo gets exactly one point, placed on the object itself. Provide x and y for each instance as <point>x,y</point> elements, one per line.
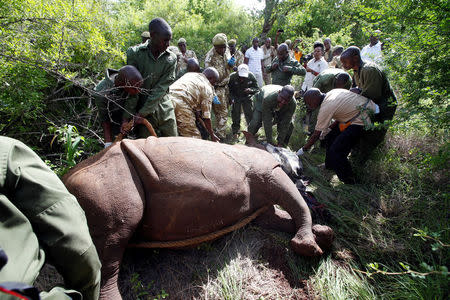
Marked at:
<point>141,291</point>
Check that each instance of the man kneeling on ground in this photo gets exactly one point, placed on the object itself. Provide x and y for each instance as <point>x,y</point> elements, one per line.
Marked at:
<point>350,113</point>
<point>192,97</point>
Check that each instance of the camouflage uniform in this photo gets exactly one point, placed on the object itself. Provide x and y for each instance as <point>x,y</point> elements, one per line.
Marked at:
<point>154,103</point>
<point>214,59</point>
<point>241,99</point>
<point>239,56</point>
<point>283,78</point>
<point>269,54</point>
<point>191,93</point>
<point>336,62</point>
<point>181,63</point>
<point>328,55</point>
<point>267,112</point>
<point>41,220</point>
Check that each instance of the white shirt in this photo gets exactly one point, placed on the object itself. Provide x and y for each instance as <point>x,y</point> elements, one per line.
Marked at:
<point>317,66</point>
<point>372,54</point>
<point>254,59</point>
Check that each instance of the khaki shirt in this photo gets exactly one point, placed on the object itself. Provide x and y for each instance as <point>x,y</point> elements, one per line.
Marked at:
<point>336,62</point>
<point>41,220</point>
<point>269,54</point>
<point>239,56</point>
<point>195,90</point>
<point>181,63</point>
<point>328,56</point>
<point>214,59</point>
<point>158,73</point>
<point>326,80</point>
<point>343,105</point>
<point>279,77</point>
<point>267,103</point>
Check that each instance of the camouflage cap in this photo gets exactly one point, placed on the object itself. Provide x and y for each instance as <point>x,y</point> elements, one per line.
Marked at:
<point>232,42</point>
<point>182,41</point>
<point>145,34</point>
<point>219,39</point>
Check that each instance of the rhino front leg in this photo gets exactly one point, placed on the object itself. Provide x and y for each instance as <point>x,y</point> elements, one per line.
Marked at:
<point>284,193</point>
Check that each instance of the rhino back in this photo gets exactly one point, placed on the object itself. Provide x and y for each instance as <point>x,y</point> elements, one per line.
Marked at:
<point>195,187</point>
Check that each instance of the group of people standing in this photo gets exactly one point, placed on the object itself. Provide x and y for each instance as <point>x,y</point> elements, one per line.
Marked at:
<point>167,86</point>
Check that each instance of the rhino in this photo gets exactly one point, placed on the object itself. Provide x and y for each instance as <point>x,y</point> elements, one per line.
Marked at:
<point>177,192</point>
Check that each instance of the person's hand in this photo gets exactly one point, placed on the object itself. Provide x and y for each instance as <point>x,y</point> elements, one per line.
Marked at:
<point>248,91</point>
<point>215,138</point>
<point>231,61</point>
<point>216,100</point>
<point>124,127</point>
<point>107,144</point>
<point>231,101</point>
<point>274,66</point>
<point>308,69</point>
<point>287,69</point>
<point>300,152</point>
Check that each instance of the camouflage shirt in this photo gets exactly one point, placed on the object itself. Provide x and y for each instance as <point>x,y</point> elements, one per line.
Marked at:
<point>181,63</point>
<point>214,59</point>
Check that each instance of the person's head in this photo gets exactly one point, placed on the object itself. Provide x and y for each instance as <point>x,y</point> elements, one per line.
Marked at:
<point>268,42</point>
<point>282,52</point>
<point>212,75</point>
<point>342,80</point>
<point>285,95</point>
<point>130,79</point>
<point>244,48</point>
<point>192,65</point>
<point>243,72</point>
<point>313,98</point>
<point>182,45</point>
<point>374,37</point>
<point>327,44</point>
<point>255,43</point>
<point>232,46</point>
<point>337,50</point>
<point>145,36</point>
<point>318,50</point>
<point>351,58</point>
<point>220,43</point>
<point>160,33</point>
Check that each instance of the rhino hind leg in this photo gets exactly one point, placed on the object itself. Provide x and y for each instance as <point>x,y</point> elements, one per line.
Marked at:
<point>285,194</point>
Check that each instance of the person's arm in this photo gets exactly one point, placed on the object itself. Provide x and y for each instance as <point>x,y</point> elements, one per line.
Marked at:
<point>312,140</point>
<point>267,119</point>
<point>246,59</point>
<point>285,122</point>
<point>253,85</point>
<point>208,125</point>
<point>272,66</point>
<point>56,217</point>
<point>295,68</point>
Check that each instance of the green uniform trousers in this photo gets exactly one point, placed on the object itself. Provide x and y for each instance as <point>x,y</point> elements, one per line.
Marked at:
<point>236,109</point>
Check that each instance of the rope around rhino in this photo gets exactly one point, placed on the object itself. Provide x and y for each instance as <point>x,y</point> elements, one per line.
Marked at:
<point>202,238</point>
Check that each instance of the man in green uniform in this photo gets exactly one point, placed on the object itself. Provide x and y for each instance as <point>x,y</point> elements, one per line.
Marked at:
<point>219,57</point>
<point>242,86</point>
<point>112,93</point>
<point>284,66</point>
<point>326,81</point>
<point>371,82</point>
<point>41,220</point>
<point>274,104</point>
<point>157,66</point>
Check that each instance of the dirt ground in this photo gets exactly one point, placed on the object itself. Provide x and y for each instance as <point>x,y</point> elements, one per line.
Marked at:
<point>251,263</point>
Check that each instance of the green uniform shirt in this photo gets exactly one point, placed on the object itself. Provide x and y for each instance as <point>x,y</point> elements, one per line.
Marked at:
<point>110,100</point>
<point>266,102</point>
<point>158,74</point>
<point>283,78</point>
<point>237,87</point>
<point>326,80</point>
<point>373,84</point>
<point>38,214</point>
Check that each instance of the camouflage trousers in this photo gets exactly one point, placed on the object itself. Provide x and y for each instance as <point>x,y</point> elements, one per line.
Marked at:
<point>221,111</point>
<point>185,119</point>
